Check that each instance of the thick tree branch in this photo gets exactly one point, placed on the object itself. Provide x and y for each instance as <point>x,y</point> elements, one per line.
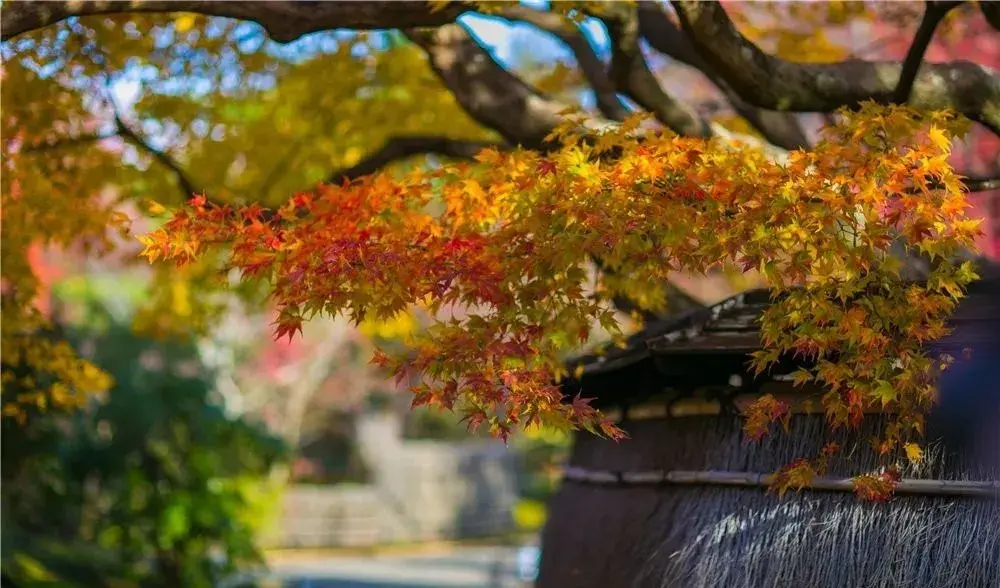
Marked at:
<point>501,101</point>
<point>933,15</point>
<point>780,128</point>
<point>592,67</point>
<point>283,21</point>
<point>497,98</point>
<point>490,94</point>
<point>397,148</point>
<point>770,82</point>
<point>632,76</point>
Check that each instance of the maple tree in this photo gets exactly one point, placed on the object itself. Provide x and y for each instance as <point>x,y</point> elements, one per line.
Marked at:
<point>499,237</point>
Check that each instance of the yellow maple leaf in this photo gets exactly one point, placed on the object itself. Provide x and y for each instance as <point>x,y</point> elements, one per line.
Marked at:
<point>913,452</point>
<point>939,138</point>
<point>154,208</point>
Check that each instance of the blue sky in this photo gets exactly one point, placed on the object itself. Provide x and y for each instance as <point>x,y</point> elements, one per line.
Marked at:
<point>501,36</point>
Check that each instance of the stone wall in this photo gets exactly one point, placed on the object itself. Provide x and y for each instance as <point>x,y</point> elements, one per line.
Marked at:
<point>420,491</point>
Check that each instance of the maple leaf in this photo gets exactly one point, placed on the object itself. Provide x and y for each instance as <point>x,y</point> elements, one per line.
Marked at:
<point>797,475</point>
<point>939,139</point>
<point>288,325</point>
<point>885,393</point>
<point>581,407</point>
<point>515,248</point>
<point>546,167</point>
<point>914,453</point>
<point>876,488</point>
<point>761,413</point>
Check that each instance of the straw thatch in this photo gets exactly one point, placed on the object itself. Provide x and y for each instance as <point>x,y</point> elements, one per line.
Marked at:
<point>719,536</point>
<point>611,526</point>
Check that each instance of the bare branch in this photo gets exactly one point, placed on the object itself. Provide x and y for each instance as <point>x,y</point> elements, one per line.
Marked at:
<point>185,183</point>
<point>933,15</point>
<point>502,101</point>
<point>632,75</point>
<point>397,148</point>
<point>491,95</point>
<point>592,67</point>
<point>982,184</point>
<point>780,128</point>
<point>283,21</point>
<point>771,82</point>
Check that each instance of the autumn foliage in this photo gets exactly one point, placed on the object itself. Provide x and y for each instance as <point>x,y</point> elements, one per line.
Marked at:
<point>502,251</point>
<point>512,234</point>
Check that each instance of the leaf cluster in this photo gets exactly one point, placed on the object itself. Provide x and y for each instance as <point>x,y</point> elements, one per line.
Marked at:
<point>509,238</point>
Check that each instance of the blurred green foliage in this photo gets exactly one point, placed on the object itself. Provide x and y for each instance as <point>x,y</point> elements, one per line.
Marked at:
<point>542,453</point>
<point>154,486</point>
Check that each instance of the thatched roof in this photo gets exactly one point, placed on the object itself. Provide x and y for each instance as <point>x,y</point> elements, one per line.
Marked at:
<point>706,347</point>
<point>616,525</point>
<point>725,536</point>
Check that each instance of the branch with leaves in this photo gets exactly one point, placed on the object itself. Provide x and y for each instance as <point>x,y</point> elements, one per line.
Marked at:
<point>518,229</point>
<point>524,219</point>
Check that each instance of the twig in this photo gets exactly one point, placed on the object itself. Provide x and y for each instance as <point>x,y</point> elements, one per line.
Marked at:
<point>161,156</point>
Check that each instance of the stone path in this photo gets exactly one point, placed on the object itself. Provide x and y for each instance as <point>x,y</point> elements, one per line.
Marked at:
<point>480,567</point>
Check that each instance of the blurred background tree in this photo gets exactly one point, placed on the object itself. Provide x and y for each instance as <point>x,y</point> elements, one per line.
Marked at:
<point>154,486</point>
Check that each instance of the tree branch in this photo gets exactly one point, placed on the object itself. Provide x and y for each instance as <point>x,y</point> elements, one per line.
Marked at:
<point>490,94</point>
<point>973,90</point>
<point>677,300</point>
<point>780,128</point>
<point>592,67</point>
<point>494,96</point>
<point>283,21</point>
<point>501,101</point>
<point>933,15</point>
<point>632,76</point>
<point>185,183</point>
<point>397,148</point>
<point>981,184</point>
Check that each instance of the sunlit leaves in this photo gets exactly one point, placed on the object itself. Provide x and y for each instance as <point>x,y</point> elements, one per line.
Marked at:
<point>513,238</point>
<point>762,413</point>
<point>239,114</point>
<point>877,487</point>
<point>795,476</point>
